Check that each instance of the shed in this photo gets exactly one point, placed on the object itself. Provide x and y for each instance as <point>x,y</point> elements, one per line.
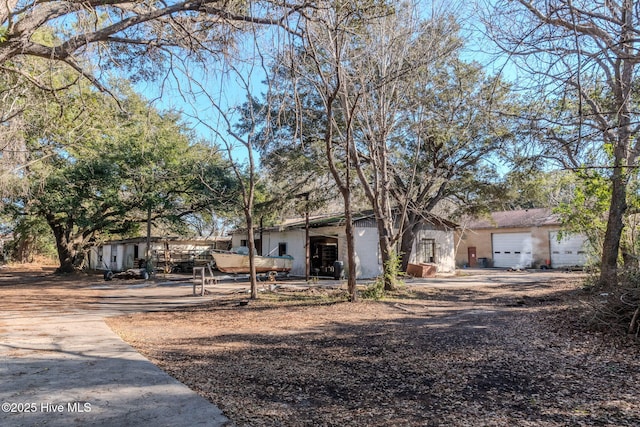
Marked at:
<point>168,253</point>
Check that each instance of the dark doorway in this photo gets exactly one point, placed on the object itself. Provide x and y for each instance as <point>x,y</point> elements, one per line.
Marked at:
<point>324,252</point>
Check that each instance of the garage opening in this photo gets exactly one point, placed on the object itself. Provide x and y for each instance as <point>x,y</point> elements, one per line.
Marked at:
<point>570,251</point>
<point>324,252</point>
<point>512,250</point>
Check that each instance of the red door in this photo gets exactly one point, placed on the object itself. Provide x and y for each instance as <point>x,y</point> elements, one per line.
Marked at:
<point>473,260</point>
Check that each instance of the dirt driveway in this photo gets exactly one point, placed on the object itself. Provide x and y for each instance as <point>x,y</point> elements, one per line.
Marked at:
<point>487,348</point>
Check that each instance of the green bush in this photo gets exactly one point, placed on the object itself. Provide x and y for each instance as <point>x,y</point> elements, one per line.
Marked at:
<point>375,290</point>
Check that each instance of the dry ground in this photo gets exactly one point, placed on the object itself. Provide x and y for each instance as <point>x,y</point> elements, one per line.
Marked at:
<point>490,355</point>
<point>481,356</point>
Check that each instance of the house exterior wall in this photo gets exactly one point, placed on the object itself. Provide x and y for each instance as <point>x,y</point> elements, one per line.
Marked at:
<point>365,241</point>
<point>444,249</point>
<point>541,246</point>
<point>116,262</point>
<point>121,255</point>
<point>368,261</point>
<point>236,240</point>
<point>294,240</point>
<point>117,257</point>
<point>128,261</point>
<point>270,241</point>
<point>478,239</point>
<point>93,259</point>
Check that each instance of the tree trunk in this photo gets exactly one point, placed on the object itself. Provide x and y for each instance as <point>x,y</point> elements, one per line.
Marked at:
<point>408,238</point>
<point>384,243</point>
<point>24,250</point>
<point>307,244</point>
<point>67,252</point>
<point>613,234</point>
<point>351,258</point>
<point>406,247</point>
<point>252,254</point>
<point>622,158</point>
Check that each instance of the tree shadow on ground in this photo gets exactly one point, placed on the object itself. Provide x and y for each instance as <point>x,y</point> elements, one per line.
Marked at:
<point>470,367</point>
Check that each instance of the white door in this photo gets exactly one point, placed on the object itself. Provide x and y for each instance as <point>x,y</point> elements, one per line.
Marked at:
<point>512,250</point>
<point>568,252</point>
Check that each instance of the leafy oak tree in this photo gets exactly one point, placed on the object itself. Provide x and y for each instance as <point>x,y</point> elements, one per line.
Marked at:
<point>100,169</point>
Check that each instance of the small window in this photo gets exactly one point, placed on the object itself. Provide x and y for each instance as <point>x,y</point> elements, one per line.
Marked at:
<point>136,252</point>
<point>428,250</point>
<point>243,243</point>
<point>282,248</point>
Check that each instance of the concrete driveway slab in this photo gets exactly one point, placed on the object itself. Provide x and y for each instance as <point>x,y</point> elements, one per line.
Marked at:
<point>66,367</point>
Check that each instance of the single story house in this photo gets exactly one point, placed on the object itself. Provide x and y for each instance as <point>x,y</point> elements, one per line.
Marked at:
<point>169,253</point>
<point>327,244</point>
<point>519,239</point>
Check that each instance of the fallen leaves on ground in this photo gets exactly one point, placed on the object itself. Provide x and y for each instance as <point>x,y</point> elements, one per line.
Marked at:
<point>480,356</point>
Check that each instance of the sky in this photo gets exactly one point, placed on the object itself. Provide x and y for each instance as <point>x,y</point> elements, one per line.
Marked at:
<point>194,95</point>
<point>201,94</point>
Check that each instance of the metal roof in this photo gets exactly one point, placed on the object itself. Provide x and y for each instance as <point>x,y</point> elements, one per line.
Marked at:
<point>337,220</point>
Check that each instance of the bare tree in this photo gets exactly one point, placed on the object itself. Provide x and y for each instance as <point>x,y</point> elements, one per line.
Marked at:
<point>238,145</point>
<point>393,99</point>
<point>234,126</point>
<point>583,58</point>
<point>323,65</point>
<point>91,36</point>
<point>385,59</point>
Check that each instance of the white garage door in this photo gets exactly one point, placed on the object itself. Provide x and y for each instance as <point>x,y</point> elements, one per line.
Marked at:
<point>512,250</point>
<point>568,252</point>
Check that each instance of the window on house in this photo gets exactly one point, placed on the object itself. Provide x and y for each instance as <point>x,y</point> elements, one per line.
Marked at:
<point>257,245</point>
<point>100,254</point>
<point>282,248</point>
<point>136,252</point>
<point>114,253</point>
<point>428,250</point>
